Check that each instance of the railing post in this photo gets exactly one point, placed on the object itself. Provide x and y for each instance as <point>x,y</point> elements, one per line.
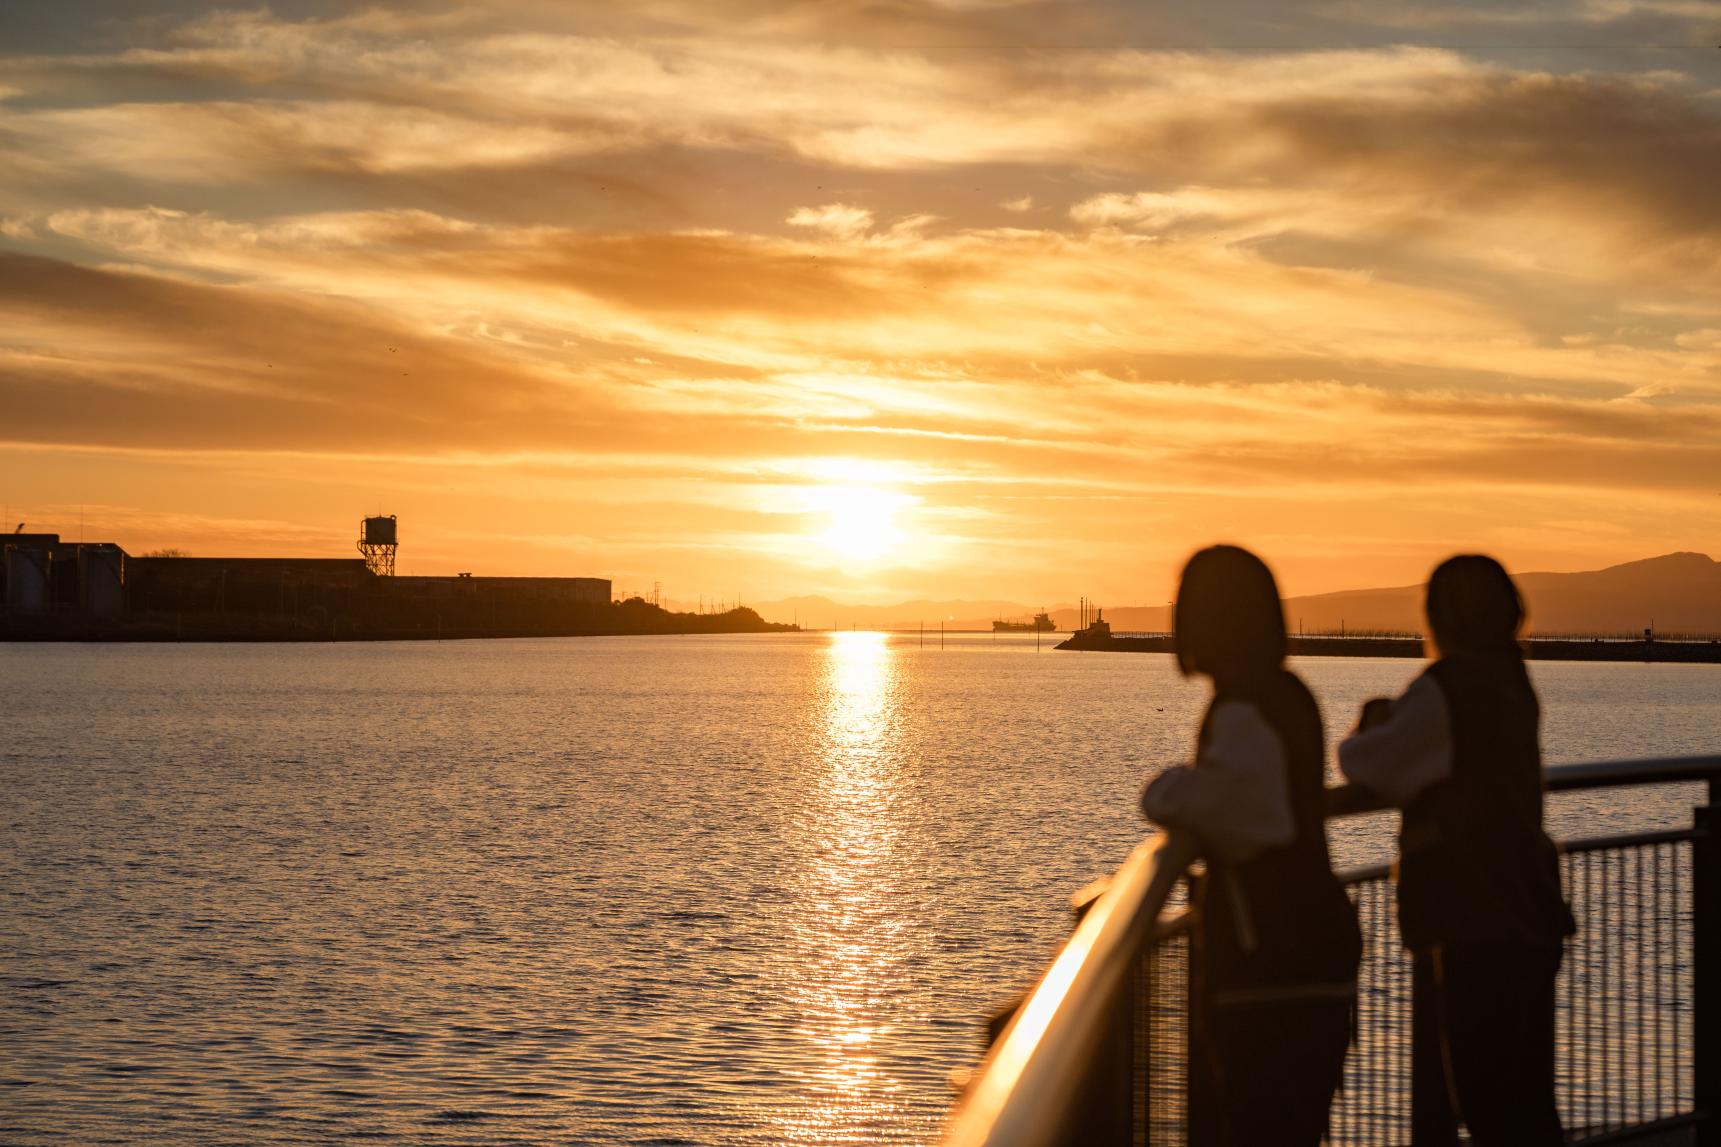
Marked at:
<point>1202,1110</point>
<point>1706,967</point>
<point>1110,1120</point>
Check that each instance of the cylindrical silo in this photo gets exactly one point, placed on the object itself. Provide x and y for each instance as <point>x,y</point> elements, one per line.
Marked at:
<point>26,580</point>
<point>101,571</point>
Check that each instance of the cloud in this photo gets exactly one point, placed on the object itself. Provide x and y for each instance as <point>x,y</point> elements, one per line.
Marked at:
<point>1148,210</point>
<point>990,300</point>
<point>241,142</point>
<point>841,220</point>
<point>369,100</point>
<point>200,366</point>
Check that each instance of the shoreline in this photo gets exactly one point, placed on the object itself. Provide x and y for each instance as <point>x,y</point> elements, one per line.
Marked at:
<point>1552,649</point>
<point>170,631</point>
<point>189,638</point>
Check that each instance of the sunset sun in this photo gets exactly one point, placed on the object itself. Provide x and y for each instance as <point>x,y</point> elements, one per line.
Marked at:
<point>860,523</point>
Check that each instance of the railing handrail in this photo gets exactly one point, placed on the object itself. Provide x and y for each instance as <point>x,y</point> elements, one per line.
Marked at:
<point>1354,800</point>
<point>1045,1049</point>
<point>1019,1095</point>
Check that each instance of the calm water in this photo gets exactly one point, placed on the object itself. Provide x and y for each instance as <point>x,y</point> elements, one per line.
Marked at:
<point>637,890</point>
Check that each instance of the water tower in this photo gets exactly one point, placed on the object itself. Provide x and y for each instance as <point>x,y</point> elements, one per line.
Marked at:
<point>377,542</point>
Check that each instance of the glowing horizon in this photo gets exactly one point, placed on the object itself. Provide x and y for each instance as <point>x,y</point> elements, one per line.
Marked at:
<point>878,303</point>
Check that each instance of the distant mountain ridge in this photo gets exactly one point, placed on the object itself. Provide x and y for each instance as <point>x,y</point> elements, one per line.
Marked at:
<point>1675,593</point>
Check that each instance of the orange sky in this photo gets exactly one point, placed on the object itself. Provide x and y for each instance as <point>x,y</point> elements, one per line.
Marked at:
<point>878,300</point>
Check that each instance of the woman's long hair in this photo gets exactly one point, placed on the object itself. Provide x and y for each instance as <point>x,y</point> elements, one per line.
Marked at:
<point>1474,607</point>
<point>1229,621</point>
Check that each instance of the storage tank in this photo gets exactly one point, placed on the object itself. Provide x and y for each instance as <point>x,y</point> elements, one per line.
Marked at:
<point>380,532</point>
<point>378,540</point>
<point>26,580</point>
<point>101,572</point>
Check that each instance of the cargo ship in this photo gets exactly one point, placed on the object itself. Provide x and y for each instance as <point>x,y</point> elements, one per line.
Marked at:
<point>1042,623</point>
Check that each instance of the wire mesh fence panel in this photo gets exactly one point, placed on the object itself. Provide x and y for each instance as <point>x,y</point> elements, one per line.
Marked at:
<point>1163,1042</point>
<point>1623,1006</point>
<point>1373,1107</point>
<point>1625,995</point>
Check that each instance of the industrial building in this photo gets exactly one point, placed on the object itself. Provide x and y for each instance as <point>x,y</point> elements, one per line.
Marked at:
<point>566,590</point>
<point>42,575</point>
<point>236,585</point>
<point>50,587</point>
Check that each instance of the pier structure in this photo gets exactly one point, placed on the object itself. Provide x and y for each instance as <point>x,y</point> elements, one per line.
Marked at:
<point>1101,1050</point>
<point>1100,638</point>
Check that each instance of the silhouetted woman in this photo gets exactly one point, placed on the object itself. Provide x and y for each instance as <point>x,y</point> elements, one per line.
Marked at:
<point>1276,942</point>
<point>1479,902</point>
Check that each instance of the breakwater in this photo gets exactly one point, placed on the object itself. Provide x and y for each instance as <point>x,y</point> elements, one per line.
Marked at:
<point>1535,649</point>
<point>377,614</point>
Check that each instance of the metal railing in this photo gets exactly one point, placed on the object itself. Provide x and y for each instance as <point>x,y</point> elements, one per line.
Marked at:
<point>1099,1052</point>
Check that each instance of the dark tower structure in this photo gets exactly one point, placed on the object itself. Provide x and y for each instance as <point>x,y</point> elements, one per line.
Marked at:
<point>378,539</point>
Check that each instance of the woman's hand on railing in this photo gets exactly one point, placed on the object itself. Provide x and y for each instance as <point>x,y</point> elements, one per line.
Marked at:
<point>1354,800</point>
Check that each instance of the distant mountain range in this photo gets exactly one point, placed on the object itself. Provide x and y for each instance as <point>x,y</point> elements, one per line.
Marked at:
<point>1676,593</point>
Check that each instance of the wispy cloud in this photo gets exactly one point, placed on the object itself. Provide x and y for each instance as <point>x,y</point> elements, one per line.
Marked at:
<point>839,219</point>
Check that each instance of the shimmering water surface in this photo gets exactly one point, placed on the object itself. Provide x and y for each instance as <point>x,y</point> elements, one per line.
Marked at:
<point>632,890</point>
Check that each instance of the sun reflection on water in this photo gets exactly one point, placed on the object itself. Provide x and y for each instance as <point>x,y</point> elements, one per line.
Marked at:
<point>851,932</point>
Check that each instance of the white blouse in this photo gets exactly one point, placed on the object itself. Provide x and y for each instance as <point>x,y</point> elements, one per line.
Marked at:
<point>1408,752</point>
<point>1236,796</point>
